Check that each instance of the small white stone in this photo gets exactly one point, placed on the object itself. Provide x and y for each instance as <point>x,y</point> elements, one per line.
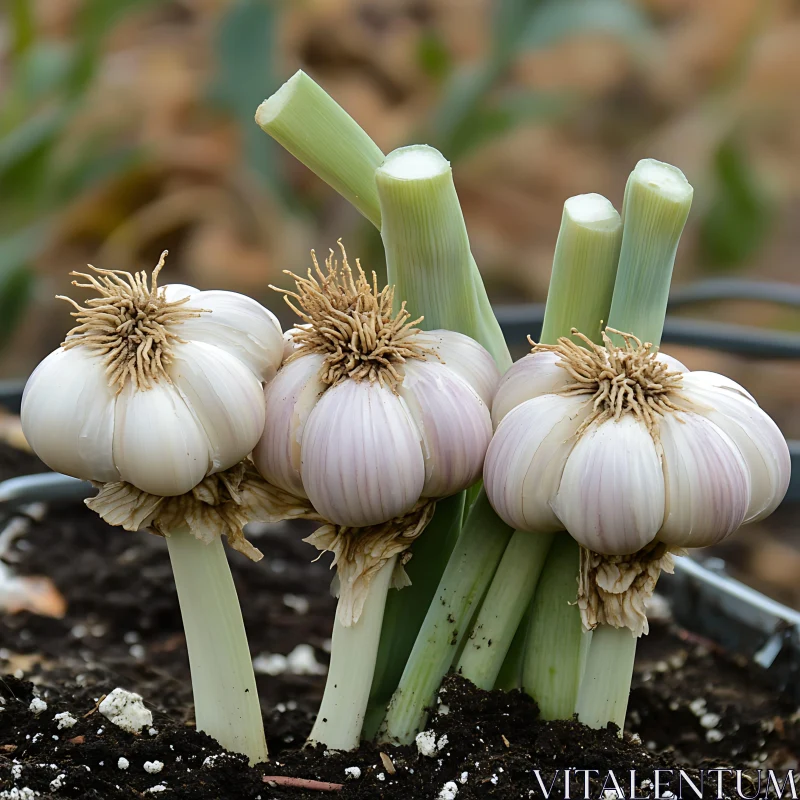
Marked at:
<point>710,720</point>
<point>449,791</point>
<point>714,735</point>
<point>211,761</point>
<point>126,710</point>
<point>380,776</point>
<point>426,743</point>
<point>37,705</point>
<point>25,793</point>
<point>153,732</point>
<point>698,706</point>
<point>464,777</point>
<point>302,661</point>
<point>297,603</point>
<point>159,787</point>
<point>442,743</point>
<point>57,782</point>
<point>352,773</point>
<point>153,767</point>
<point>65,720</point>
<point>16,770</point>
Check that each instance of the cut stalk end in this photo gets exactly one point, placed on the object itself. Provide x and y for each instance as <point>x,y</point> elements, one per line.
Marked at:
<point>271,108</point>
<point>416,162</point>
<point>592,211</point>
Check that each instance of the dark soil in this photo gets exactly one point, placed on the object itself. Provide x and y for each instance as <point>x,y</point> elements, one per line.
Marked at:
<point>122,628</point>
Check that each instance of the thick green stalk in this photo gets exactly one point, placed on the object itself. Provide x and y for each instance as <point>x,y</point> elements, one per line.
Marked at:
<point>557,645</point>
<point>510,675</point>
<point>428,258</point>
<point>315,129</point>
<point>657,202</point>
<point>584,268</point>
<point>406,609</point>
<point>224,686</point>
<point>581,284</point>
<point>603,695</point>
<point>465,580</point>
<point>505,605</point>
<point>353,652</point>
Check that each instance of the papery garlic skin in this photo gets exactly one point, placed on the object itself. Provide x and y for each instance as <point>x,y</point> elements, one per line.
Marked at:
<point>369,415</point>
<point>697,461</point>
<point>186,401</point>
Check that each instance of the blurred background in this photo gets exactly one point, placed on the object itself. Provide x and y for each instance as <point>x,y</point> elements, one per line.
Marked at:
<point>126,127</point>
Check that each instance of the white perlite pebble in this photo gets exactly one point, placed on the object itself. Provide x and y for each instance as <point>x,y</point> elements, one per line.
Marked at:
<point>18,794</point>
<point>380,776</point>
<point>301,661</point>
<point>57,782</point>
<point>449,791</point>
<point>65,720</point>
<point>123,763</point>
<point>464,777</point>
<point>159,787</point>
<point>153,766</point>
<point>426,743</point>
<point>352,773</point>
<point>126,710</point>
<point>37,705</point>
<point>710,720</point>
<point>714,735</point>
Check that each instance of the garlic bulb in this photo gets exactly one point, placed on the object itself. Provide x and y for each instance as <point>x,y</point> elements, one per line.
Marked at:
<point>621,447</point>
<point>369,414</point>
<point>632,454</point>
<point>157,387</point>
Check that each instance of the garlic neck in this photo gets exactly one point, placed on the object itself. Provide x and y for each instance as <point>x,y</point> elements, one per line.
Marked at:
<point>621,380</point>
<point>131,326</point>
<point>352,324</point>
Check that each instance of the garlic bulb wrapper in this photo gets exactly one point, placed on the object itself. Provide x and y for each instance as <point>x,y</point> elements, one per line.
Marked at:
<point>369,414</point>
<point>642,452</point>
<point>156,387</point>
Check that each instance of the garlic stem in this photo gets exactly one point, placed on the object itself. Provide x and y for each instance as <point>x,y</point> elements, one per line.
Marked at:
<point>353,652</point>
<point>505,605</point>
<point>223,683</point>
<point>584,268</point>
<point>428,257</point>
<point>465,580</point>
<point>557,645</point>
<point>406,608</point>
<point>581,284</point>
<point>510,675</point>
<point>603,697</point>
<point>303,118</point>
<point>656,205</point>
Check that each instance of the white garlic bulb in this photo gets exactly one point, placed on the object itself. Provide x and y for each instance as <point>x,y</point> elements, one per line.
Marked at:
<point>623,447</point>
<point>369,414</point>
<point>156,386</point>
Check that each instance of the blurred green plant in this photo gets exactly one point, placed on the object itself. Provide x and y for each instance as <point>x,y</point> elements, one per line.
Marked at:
<point>739,217</point>
<point>472,112</point>
<point>41,168</point>
<point>245,49</point>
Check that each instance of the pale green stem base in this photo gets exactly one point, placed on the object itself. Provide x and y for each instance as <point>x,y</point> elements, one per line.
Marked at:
<point>606,685</point>
<point>406,608</point>
<point>505,605</point>
<point>464,583</point>
<point>223,683</point>
<point>353,653</point>
<point>556,648</point>
<point>510,675</point>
